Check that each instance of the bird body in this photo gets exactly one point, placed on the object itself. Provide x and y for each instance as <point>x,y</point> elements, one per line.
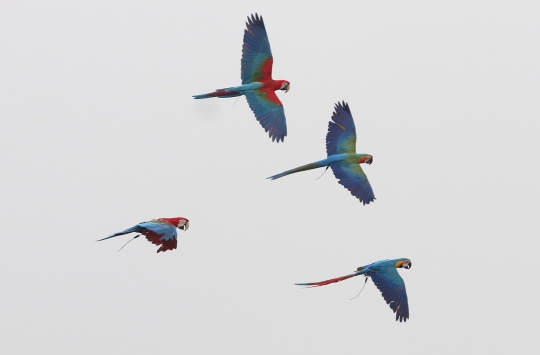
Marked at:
<point>342,156</point>
<point>385,276</point>
<point>159,231</point>
<point>257,83</point>
<point>337,158</point>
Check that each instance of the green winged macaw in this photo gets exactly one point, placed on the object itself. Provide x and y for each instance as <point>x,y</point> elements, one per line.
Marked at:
<point>159,231</point>
<point>257,83</point>
<point>385,276</point>
<point>342,156</point>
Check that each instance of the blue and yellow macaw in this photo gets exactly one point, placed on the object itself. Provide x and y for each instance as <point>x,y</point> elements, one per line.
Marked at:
<point>342,157</point>
<point>257,83</point>
<point>385,276</point>
<point>159,231</point>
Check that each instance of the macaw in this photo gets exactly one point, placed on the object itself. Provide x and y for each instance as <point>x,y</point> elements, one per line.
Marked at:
<point>257,83</point>
<point>386,278</point>
<point>159,231</point>
<point>342,157</point>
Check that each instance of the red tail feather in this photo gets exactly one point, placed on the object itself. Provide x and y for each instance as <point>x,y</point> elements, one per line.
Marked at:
<point>327,282</point>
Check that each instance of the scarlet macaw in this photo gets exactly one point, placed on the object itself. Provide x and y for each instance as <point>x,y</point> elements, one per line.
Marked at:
<point>386,278</point>
<point>159,231</point>
<point>257,83</point>
<point>342,157</point>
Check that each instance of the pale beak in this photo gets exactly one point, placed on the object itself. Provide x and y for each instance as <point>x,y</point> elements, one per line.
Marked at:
<point>287,88</point>
<point>183,224</point>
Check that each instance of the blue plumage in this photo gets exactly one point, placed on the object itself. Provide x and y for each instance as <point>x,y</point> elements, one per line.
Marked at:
<point>353,178</point>
<point>341,136</point>
<point>342,157</point>
<point>258,85</point>
<point>392,288</point>
<point>269,114</point>
<point>255,50</point>
<point>160,231</point>
<point>385,276</point>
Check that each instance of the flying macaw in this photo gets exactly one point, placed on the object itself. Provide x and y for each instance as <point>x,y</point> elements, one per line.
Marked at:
<point>159,231</point>
<point>257,83</point>
<point>386,278</point>
<point>342,157</point>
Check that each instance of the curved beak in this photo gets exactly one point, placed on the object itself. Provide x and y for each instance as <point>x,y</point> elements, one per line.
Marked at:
<point>183,224</point>
<point>408,266</point>
<point>287,88</point>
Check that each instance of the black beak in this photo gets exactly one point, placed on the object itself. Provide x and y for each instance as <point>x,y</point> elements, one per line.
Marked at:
<point>182,227</point>
<point>408,266</point>
<point>370,161</point>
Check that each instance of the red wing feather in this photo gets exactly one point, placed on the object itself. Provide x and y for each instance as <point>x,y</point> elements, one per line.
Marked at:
<point>168,245</point>
<point>155,238</point>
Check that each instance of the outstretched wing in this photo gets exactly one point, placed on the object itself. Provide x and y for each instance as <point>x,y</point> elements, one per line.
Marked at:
<point>160,233</point>
<point>268,110</point>
<point>354,179</point>
<point>341,136</point>
<point>392,287</point>
<point>256,54</point>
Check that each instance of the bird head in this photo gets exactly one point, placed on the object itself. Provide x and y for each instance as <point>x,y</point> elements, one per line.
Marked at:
<point>179,222</point>
<point>183,224</point>
<point>368,159</point>
<point>404,263</point>
<point>285,86</point>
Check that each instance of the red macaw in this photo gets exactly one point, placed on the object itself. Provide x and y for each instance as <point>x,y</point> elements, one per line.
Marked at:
<point>159,231</point>
<point>257,83</point>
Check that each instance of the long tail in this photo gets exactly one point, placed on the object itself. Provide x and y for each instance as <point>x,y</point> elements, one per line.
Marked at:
<point>318,164</point>
<point>136,229</point>
<point>221,93</point>
<point>331,281</point>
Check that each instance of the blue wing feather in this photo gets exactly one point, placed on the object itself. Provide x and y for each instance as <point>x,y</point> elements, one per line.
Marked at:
<point>341,136</point>
<point>255,50</point>
<point>166,231</point>
<point>352,177</point>
<point>269,114</point>
<point>392,287</point>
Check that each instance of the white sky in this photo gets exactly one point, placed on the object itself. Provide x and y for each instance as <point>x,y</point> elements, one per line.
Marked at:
<point>99,132</point>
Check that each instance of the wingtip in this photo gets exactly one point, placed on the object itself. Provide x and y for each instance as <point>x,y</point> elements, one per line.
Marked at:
<point>343,105</point>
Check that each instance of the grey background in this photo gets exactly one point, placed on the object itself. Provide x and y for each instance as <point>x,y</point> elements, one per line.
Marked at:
<point>99,132</point>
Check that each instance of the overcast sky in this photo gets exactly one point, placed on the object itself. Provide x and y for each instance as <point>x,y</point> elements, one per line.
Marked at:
<point>99,132</point>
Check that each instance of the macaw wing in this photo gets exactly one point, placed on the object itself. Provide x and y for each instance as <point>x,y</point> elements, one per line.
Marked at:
<point>268,110</point>
<point>393,291</point>
<point>256,54</point>
<point>341,136</point>
<point>353,178</point>
<point>160,233</point>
